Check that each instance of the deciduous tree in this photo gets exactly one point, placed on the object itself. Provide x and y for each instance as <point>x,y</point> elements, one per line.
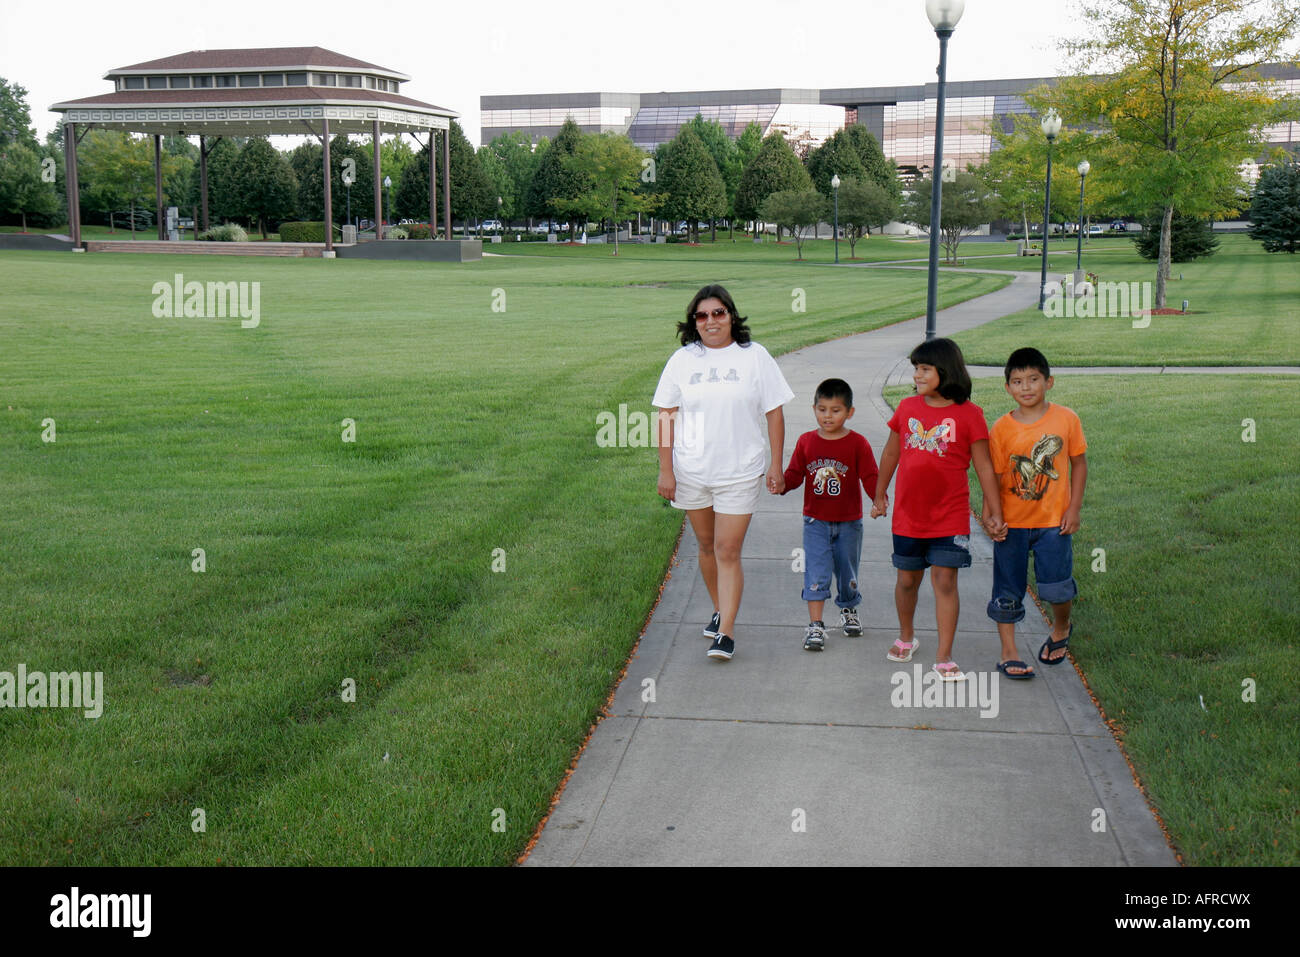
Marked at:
<point>1158,75</point>
<point>864,204</point>
<point>797,210</point>
<point>965,203</point>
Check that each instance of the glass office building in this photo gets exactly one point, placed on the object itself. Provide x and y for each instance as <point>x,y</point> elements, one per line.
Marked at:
<point>902,118</point>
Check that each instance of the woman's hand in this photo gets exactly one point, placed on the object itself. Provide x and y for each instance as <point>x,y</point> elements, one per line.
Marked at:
<point>775,480</point>
<point>667,485</point>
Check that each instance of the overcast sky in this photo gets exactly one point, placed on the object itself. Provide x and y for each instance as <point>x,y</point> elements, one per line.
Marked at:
<point>457,51</point>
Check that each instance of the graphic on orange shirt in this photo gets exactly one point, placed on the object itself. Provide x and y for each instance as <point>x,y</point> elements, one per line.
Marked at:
<point>1035,473</point>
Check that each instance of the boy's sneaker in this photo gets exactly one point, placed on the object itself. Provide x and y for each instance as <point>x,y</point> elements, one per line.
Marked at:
<point>849,621</point>
<point>714,627</point>
<point>814,638</point>
<point>722,647</point>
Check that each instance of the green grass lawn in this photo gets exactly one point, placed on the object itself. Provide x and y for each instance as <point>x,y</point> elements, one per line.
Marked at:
<point>869,249</point>
<point>331,561</point>
<point>1197,600</point>
<point>1244,309</point>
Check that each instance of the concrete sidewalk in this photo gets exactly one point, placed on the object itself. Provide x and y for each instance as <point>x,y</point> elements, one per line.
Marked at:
<point>783,756</point>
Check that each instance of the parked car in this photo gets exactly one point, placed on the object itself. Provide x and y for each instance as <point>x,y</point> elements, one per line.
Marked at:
<point>491,226</point>
<point>1095,229</point>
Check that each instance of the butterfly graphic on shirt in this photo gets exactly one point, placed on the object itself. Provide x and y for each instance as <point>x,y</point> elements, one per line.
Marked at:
<point>928,440</point>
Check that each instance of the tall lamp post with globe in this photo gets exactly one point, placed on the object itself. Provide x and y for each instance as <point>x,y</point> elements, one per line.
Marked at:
<point>943,15</point>
<point>835,185</point>
<point>1078,261</point>
<point>1051,125</point>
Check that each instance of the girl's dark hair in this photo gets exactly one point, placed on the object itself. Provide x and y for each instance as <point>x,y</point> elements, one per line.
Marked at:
<point>945,355</point>
<point>687,331</point>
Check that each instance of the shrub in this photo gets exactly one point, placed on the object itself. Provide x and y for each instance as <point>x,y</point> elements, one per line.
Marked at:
<point>418,231</point>
<point>306,232</point>
<point>225,233</point>
<point>395,232</point>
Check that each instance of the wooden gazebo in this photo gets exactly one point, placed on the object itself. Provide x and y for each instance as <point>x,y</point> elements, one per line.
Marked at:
<point>258,92</point>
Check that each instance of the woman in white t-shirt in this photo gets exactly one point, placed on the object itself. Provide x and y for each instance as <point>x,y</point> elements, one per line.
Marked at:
<point>720,399</point>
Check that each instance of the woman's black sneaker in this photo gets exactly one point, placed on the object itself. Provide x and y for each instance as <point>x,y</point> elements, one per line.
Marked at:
<point>714,627</point>
<point>722,647</point>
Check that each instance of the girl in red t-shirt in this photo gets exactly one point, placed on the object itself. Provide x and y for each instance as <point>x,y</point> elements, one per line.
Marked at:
<point>934,438</point>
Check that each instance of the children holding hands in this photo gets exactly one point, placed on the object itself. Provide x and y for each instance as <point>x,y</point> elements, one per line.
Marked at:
<point>1031,502</point>
<point>834,464</point>
<point>1031,445</point>
<point>934,438</point>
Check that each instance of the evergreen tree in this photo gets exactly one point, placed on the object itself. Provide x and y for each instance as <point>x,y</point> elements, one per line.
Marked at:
<point>1275,208</point>
<point>1190,238</point>
<point>266,187</point>
<point>774,168</point>
<point>725,155</point>
<point>836,157</point>
<point>554,180</point>
<point>872,157</point>
<point>689,182</point>
<point>472,194</point>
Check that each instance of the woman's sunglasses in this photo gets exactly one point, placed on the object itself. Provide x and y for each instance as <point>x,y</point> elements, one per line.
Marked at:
<point>716,314</point>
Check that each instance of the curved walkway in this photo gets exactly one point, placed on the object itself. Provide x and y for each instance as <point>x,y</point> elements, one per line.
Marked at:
<point>781,756</point>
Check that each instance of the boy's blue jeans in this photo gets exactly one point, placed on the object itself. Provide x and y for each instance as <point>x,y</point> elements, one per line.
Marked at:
<point>1053,570</point>
<point>831,548</point>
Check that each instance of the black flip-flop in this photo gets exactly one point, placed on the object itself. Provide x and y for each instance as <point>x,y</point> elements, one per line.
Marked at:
<point>1015,663</point>
<point>1050,646</point>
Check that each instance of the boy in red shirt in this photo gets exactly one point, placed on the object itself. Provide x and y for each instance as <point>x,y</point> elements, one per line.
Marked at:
<point>837,464</point>
<point>1038,453</point>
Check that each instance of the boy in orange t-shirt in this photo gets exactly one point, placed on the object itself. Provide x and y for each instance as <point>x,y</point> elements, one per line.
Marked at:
<point>1041,496</point>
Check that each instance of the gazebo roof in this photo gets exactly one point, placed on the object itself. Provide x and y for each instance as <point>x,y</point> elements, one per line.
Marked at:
<point>255,110</point>
<point>254,58</point>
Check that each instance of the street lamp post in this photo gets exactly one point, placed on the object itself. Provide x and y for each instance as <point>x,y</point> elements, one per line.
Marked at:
<point>1051,125</point>
<point>943,15</point>
<point>835,185</point>
<point>388,185</point>
<point>1078,261</point>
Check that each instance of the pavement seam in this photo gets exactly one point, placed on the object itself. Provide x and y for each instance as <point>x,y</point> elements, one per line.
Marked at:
<point>854,724</point>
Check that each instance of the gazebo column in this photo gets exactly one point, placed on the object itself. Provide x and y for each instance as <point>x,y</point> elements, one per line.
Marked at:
<point>71,185</point>
<point>433,184</point>
<point>203,182</point>
<point>157,184</point>
<point>329,196</point>
<point>446,177</point>
<point>379,205</point>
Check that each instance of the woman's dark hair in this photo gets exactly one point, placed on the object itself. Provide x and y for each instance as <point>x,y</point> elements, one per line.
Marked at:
<point>687,331</point>
<point>945,355</point>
